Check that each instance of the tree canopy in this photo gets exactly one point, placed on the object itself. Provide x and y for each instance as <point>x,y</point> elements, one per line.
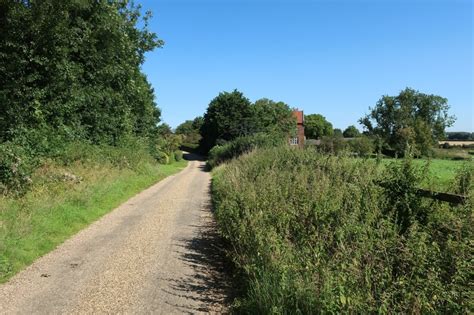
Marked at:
<point>316,126</point>
<point>460,135</point>
<point>351,132</point>
<point>74,66</point>
<point>231,115</point>
<point>409,120</point>
<point>190,130</point>
<point>228,116</point>
<point>273,117</point>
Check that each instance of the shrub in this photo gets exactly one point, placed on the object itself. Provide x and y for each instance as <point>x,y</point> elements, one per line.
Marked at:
<point>464,182</point>
<point>333,144</point>
<point>162,157</point>
<point>221,153</point>
<point>313,233</point>
<point>16,168</point>
<point>362,146</point>
<point>400,183</point>
<point>178,155</point>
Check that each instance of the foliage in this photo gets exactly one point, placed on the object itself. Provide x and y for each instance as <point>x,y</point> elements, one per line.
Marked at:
<point>163,129</point>
<point>400,184</point>
<point>464,182</point>
<point>337,133</point>
<point>459,135</point>
<point>316,126</point>
<point>190,130</point>
<point>273,117</point>
<point>222,153</point>
<point>164,146</point>
<point>16,169</point>
<point>351,132</point>
<point>312,233</point>
<point>178,155</point>
<point>228,116</point>
<point>409,120</point>
<point>231,115</point>
<point>74,66</point>
<point>190,126</point>
<point>162,157</point>
<point>333,144</point>
<point>362,146</point>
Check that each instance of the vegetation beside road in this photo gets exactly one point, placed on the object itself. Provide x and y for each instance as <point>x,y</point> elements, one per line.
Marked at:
<point>69,193</point>
<point>317,232</point>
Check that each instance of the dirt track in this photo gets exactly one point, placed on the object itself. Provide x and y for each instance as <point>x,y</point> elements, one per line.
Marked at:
<point>157,253</point>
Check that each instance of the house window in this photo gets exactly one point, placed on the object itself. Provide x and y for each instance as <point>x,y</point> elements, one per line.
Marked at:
<point>294,141</point>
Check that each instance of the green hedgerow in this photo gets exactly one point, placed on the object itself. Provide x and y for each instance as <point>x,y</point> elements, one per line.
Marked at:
<point>312,233</point>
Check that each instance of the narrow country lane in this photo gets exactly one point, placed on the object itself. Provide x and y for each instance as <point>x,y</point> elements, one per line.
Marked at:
<point>157,253</point>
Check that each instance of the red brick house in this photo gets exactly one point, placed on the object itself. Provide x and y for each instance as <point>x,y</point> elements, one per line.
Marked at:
<point>300,138</point>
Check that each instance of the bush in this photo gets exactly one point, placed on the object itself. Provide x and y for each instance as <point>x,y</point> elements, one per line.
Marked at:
<point>464,182</point>
<point>162,158</point>
<point>178,155</point>
<point>222,153</point>
<point>362,146</point>
<point>16,168</point>
<point>313,233</point>
<point>333,144</point>
<point>400,184</point>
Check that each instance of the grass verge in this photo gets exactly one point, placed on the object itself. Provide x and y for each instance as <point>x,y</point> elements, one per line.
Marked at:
<point>63,201</point>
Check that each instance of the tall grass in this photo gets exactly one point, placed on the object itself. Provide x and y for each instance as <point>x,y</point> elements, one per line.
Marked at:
<point>233,149</point>
<point>316,234</point>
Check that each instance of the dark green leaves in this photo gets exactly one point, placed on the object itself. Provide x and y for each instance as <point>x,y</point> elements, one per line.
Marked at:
<point>75,65</point>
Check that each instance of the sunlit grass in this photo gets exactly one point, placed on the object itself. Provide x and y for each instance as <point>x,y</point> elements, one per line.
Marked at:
<point>54,209</point>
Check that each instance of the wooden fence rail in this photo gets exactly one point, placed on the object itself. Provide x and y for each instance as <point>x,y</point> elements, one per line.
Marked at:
<point>441,196</point>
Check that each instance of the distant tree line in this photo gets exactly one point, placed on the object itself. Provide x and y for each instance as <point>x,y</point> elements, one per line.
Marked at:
<point>411,121</point>
<point>460,135</point>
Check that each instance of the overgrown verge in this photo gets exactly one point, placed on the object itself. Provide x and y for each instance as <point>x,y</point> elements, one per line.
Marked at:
<point>51,198</point>
<point>233,149</point>
<point>318,234</point>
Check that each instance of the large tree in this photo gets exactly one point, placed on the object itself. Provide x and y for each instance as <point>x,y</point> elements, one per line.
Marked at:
<point>316,126</point>
<point>75,66</point>
<point>273,117</point>
<point>228,116</point>
<point>409,120</point>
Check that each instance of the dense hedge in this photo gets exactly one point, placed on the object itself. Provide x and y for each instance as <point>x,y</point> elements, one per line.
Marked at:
<point>221,153</point>
<point>317,234</point>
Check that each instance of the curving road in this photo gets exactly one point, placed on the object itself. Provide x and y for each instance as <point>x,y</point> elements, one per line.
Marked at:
<point>157,253</point>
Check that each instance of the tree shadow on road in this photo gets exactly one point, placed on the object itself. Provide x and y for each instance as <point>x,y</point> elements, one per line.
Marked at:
<point>196,157</point>
<point>210,284</point>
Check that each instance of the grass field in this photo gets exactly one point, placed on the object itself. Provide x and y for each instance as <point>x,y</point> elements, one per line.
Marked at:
<point>53,210</point>
<point>441,174</point>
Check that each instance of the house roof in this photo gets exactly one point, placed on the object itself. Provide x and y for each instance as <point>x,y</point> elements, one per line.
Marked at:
<point>299,116</point>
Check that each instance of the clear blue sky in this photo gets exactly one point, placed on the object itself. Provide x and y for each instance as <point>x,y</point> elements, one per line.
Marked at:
<point>335,58</point>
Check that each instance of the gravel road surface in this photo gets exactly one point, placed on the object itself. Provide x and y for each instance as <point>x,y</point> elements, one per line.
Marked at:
<point>157,253</point>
